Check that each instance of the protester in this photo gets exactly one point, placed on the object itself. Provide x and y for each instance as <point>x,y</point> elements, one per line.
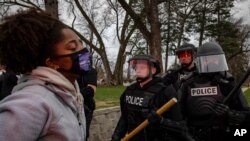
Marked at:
<point>140,100</point>
<point>46,103</point>
<point>203,94</point>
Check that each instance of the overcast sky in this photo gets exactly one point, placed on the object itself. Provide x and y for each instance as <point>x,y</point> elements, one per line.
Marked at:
<point>242,10</point>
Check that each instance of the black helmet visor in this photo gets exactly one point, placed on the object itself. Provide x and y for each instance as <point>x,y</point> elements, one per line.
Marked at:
<point>211,63</point>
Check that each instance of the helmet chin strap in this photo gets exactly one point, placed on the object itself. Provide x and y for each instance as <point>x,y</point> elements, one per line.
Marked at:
<point>142,79</point>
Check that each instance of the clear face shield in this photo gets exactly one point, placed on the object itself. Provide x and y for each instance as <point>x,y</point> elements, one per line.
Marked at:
<point>138,69</point>
<point>212,63</point>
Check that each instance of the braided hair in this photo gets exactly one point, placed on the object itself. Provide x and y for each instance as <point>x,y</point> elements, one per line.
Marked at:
<point>27,39</point>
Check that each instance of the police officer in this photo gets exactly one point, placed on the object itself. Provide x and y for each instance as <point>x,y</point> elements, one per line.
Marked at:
<point>7,81</point>
<point>202,95</point>
<point>87,84</point>
<point>140,99</point>
<point>186,55</point>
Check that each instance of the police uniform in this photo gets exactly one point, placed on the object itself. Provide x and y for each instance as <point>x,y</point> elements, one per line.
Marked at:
<point>180,75</point>
<point>177,77</point>
<point>199,96</point>
<point>202,93</point>
<point>87,92</point>
<point>137,102</point>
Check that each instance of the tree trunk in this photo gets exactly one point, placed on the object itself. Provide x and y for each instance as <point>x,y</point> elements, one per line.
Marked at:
<point>52,7</point>
<point>155,41</point>
<point>109,77</point>
<point>118,72</point>
<point>168,36</point>
<point>203,22</point>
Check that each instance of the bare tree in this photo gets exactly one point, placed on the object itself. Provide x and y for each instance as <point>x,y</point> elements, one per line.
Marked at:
<point>152,34</point>
<point>96,36</point>
<point>124,32</point>
<point>52,7</point>
<point>183,10</point>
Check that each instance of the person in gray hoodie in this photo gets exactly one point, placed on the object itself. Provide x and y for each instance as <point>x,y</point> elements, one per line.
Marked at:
<point>46,103</point>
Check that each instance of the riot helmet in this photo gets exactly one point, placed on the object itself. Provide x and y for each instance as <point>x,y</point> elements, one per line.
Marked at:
<point>144,62</point>
<point>186,54</point>
<point>211,58</point>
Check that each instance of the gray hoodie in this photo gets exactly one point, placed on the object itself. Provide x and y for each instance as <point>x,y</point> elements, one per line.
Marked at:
<point>43,106</point>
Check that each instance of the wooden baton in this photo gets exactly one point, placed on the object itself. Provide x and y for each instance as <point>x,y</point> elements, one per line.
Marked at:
<point>165,107</point>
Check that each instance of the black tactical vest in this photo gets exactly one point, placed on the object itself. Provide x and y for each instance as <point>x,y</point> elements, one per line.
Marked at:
<point>139,102</point>
<point>200,101</point>
<point>182,76</point>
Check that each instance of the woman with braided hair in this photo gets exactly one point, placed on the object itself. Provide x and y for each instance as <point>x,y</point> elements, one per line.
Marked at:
<point>46,103</point>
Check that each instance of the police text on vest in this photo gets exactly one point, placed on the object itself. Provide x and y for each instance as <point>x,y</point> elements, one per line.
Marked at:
<point>134,100</point>
<point>240,132</point>
<point>204,91</point>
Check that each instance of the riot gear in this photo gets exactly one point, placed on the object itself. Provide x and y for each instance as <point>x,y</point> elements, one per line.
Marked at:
<point>153,62</point>
<point>186,51</point>
<point>148,62</point>
<point>206,119</point>
<point>211,58</point>
<point>186,47</point>
<point>138,102</point>
<point>187,69</point>
<point>199,97</point>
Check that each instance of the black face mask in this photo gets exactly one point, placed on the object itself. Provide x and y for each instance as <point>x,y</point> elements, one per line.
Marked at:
<point>80,61</point>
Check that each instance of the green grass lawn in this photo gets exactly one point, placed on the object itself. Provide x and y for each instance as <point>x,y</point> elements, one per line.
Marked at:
<point>109,96</point>
<point>247,94</point>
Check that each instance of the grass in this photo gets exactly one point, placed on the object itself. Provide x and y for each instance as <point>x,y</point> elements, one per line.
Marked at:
<point>108,96</point>
<point>247,94</point>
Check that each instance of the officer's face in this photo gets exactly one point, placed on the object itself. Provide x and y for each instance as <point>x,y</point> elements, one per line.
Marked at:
<point>212,60</point>
<point>185,57</point>
<point>141,70</point>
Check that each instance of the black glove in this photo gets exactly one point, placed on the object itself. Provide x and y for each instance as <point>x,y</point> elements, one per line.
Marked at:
<point>154,119</point>
<point>179,127</point>
<point>90,77</point>
<point>220,109</point>
<point>115,138</point>
<point>7,81</point>
<point>120,130</point>
<point>236,117</point>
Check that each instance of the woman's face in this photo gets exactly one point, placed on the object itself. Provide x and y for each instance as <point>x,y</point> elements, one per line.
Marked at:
<point>70,44</point>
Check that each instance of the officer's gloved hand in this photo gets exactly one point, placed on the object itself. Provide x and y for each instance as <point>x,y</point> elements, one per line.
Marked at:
<point>90,77</point>
<point>236,117</point>
<point>220,109</point>
<point>115,138</point>
<point>154,119</point>
<point>179,127</point>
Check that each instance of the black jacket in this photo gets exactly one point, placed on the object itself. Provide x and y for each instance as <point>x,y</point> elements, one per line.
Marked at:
<point>132,114</point>
<point>7,82</point>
